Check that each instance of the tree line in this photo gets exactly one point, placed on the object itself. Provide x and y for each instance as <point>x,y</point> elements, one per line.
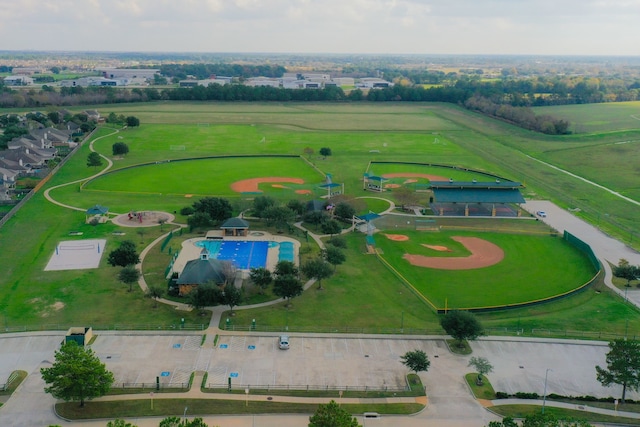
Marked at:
<point>482,97</point>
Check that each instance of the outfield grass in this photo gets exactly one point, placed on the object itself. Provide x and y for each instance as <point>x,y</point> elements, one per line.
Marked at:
<point>400,132</point>
<point>209,177</point>
<point>534,267</point>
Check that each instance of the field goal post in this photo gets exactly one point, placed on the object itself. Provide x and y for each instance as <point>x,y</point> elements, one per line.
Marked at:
<point>177,148</point>
<point>426,225</point>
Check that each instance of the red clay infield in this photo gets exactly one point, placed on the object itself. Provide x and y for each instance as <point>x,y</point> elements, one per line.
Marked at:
<point>483,254</point>
<point>415,175</point>
<point>251,185</point>
<point>397,237</point>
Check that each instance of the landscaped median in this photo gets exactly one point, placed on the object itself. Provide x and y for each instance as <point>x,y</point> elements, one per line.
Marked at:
<point>227,405</point>
<point>566,409</point>
<point>201,401</point>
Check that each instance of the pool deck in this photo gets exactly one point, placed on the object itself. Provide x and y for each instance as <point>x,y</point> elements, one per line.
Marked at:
<point>190,251</point>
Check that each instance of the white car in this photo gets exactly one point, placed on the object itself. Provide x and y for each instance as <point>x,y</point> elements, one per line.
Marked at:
<point>541,214</point>
<point>283,342</point>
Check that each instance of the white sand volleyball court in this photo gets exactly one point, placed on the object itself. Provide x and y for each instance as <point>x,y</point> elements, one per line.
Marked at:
<point>77,254</point>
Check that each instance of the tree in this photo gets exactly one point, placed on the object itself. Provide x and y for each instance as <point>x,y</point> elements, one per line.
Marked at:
<point>315,217</point>
<point>155,293</point>
<point>318,269</point>
<point>287,286</point>
<point>231,296</point>
<point>280,216</point>
<point>308,151</point>
<point>94,160</point>
<point>261,277</point>
<point>119,423</point>
<point>76,375</point>
<point>626,271</point>
<point>416,360</point>
<point>129,275</point>
<point>461,325</point>
<point>405,196</point>
<point>119,149</point>
<point>338,242</point>
<point>297,206</point>
<point>124,255</point>
<point>325,152</point>
<point>132,121</point>
<point>623,366</point>
<point>481,365</point>
<point>199,220</point>
<point>344,211</point>
<point>219,209</point>
<point>332,415</point>
<point>202,296</point>
<point>179,422</point>
<point>284,268</point>
<point>261,204</point>
<point>334,256</point>
<point>331,227</point>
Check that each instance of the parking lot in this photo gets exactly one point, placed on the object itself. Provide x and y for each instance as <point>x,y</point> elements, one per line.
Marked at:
<point>319,362</point>
<point>257,361</point>
<point>314,362</point>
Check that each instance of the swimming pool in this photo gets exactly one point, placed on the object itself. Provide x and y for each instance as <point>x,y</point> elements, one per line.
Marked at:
<point>287,252</point>
<point>244,254</point>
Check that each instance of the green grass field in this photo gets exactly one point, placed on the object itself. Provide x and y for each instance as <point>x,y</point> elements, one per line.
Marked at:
<point>362,293</point>
<point>597,118</point>
<point>535,267</point>
<point>208,177</point>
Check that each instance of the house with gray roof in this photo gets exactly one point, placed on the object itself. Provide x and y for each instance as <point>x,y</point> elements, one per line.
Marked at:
<point>24,157</point>
<point>7,182</point>
<point>199,272</point>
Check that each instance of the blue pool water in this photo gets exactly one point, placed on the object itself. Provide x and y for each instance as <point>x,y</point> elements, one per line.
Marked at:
<point>286,252</point>
<point>244,254</point>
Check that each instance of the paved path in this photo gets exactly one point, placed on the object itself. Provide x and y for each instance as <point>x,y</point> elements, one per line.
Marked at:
<point>47,193</point>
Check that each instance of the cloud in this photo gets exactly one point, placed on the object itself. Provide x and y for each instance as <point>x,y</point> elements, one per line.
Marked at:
<point>366,26</point>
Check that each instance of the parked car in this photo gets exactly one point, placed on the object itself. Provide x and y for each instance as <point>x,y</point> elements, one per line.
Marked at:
<point>283,342</point>
<point>541,214</point>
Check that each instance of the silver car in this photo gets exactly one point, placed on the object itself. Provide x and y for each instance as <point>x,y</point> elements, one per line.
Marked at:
<point>283,342</point>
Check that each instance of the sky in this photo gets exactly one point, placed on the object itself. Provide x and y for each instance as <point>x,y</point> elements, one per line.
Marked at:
<point>536,27</point>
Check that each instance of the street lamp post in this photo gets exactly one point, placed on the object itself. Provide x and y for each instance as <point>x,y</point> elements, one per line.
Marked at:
<point>544,396</point>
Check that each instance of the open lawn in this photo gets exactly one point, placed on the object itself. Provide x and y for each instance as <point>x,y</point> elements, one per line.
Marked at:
<point>597,118</point>
<point>363,293</point>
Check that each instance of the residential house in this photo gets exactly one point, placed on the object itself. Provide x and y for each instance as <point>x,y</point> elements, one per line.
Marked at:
<point>8,180</point>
